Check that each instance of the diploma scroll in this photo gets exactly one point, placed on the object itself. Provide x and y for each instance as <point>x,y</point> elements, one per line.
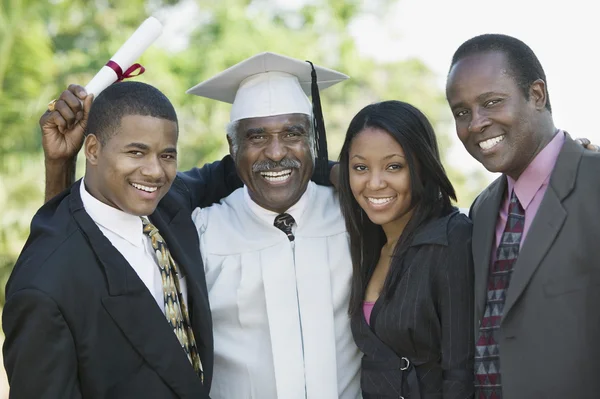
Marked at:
<point>124,58</point>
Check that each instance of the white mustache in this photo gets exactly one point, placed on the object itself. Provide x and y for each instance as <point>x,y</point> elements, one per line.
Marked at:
<point>286,163</point>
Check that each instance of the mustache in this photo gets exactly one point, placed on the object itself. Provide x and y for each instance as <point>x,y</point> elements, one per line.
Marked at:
<point>266,165</point>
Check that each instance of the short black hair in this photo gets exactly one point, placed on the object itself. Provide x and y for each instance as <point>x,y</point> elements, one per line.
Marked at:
<point>523,64</point>
<point>431,189</point>
<point>126,98</point>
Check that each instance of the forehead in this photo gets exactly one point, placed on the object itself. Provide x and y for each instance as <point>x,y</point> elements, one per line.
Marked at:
<point>146,129</point>
<point>377,141</point>
<point>477,74</point>
<point>274,123</point>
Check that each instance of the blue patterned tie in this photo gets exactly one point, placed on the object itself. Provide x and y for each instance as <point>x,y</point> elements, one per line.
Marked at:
<point>284,222</point>
<point>488,380</point>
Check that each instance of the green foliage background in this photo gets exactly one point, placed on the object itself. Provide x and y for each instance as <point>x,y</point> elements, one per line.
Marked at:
<point>45,45</point>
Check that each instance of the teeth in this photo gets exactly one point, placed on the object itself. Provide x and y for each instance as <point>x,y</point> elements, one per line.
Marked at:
<point>277,174</point>
<point>380,201</point>
<point>486,145</point>
<point>276,179</point>
<point>144,188</point>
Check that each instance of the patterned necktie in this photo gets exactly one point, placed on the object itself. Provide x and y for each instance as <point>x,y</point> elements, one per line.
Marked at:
<point>175,309</point>
<point>487,357</point>
<point>284,222</point>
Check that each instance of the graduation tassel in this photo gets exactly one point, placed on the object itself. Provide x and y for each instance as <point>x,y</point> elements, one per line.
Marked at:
<point>321,173</point>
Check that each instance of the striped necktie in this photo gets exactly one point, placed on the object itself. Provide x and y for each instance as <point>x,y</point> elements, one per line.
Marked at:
<point>175,309</point>
<point>488,382</point>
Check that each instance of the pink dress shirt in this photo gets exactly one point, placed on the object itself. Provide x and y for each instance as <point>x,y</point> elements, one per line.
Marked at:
<point>367,309</point>
<point>530,187</point>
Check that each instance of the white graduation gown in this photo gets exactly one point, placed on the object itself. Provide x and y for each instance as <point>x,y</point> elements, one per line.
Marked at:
<point>280,309</point>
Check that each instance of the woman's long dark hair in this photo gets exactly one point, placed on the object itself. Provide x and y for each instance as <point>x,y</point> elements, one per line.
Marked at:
<point>431,191</point>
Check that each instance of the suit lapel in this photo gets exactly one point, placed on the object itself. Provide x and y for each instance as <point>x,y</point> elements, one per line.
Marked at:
<point>368,341</point>
<point>547,223</point>
<point>484,235</point>
<point>134,310</point>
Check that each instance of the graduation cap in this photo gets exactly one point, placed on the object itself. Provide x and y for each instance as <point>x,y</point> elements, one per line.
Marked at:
<point>269,84</point>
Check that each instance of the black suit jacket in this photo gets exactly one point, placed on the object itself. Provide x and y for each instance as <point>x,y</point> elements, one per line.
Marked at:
<point>78,320</point>
<point>427,319</point>
<point>550,329</point>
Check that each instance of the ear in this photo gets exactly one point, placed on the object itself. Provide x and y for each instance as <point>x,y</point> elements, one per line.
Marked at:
<point>538,94</point>
<point>231,150</point>
<point>92,148</point>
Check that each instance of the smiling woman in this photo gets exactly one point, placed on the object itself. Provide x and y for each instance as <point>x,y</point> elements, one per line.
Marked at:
<point>380,180</point>
<point>412,283</point>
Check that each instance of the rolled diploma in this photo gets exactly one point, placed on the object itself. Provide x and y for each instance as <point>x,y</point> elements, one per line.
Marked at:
<point>126,56</point>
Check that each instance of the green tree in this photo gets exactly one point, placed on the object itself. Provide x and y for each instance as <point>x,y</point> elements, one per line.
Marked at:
<point>24,47</point>
<point>44,46</point>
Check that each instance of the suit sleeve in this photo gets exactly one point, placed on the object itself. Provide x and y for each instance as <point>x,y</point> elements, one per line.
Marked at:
<point>209,184</point>
<point>328,182</point>
<point>455,306</point>
<point>39,351</point>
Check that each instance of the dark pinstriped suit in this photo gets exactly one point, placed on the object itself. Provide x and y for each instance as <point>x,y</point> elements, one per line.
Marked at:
<point>429,317</point>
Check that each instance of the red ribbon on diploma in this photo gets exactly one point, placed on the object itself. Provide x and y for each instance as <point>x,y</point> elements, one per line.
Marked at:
<point>128,73</point>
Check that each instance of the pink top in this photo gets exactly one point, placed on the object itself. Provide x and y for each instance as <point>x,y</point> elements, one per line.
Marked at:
<point>530,187</point>
<point>367,309</point>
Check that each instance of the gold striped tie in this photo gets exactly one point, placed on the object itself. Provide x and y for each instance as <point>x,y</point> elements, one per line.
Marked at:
<point>175,309</point>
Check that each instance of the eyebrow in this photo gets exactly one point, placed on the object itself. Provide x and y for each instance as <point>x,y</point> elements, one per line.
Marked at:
<point>295,128</point>
<point>487,94</point>
<point>287,128</point>
<point>479,98</point>
<point>255,130</point>
<point>139,146</point>
<point>384,158</point>
<point>146,147</point>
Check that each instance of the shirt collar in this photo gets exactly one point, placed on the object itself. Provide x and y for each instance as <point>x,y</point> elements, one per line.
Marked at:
<point>127,226</point>
<point>297,210</point>
<point>537,172</point>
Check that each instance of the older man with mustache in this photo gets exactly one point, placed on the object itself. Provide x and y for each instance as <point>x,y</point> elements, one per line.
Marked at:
<point>275,251</point>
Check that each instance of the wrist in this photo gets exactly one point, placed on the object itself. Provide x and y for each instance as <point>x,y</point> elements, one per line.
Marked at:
<point>60,174</point>
<point>59,162</point>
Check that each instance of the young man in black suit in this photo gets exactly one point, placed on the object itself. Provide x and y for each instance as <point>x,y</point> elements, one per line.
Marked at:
<point>108,298</point>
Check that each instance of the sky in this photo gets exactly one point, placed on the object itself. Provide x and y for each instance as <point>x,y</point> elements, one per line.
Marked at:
<point>564,36</point>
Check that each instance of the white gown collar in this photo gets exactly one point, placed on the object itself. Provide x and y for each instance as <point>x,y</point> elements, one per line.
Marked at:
<point>297,210</point>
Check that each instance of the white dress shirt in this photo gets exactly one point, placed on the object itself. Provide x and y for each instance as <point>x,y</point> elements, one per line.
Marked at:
<point>124,231</point>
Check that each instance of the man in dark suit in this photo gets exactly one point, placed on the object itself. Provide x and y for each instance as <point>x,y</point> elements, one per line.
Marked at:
<point>536,229</point>
<point>107,299</point>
